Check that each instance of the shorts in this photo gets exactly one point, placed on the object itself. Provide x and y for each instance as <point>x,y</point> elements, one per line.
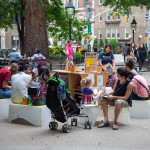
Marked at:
<point>70,59</point>
<point>122,103</point>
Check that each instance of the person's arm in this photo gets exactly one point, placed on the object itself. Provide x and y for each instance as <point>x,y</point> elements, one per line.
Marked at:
<point>5,85</point>
<point>113,65</point>
<point>100,63</point>
<point>128,93</point>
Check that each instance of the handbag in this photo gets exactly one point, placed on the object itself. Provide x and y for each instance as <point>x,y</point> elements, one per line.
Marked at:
<point>34,89</point>
<point>129,57</point>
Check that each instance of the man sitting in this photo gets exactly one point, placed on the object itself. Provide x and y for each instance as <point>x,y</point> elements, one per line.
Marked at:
<point>14,54</point>
<point>5,74</point>
<point>20,83</point>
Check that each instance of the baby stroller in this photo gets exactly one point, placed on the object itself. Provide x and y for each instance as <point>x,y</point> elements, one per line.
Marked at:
<point>62,109</point>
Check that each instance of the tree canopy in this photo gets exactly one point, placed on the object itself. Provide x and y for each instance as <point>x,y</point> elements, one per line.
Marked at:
<point>124,6</point>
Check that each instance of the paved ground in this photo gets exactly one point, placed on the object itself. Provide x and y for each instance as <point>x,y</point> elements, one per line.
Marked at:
<point>23,137</point>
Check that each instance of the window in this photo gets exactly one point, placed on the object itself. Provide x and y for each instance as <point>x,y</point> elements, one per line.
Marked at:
<point>112,33</point>
<point>126,33</point>
<point>15,41</point>
<point>108,33</point>
<point>108,16</point>
<point>100,34</point>
<point>117,33</point>
<point>146,32</point>
<point>147,14</point>
<point>100,17</point>
<point>100,2</point>
<point>76,2</point>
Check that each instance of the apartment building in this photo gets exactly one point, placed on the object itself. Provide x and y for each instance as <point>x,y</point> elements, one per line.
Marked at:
<point>106,27</point>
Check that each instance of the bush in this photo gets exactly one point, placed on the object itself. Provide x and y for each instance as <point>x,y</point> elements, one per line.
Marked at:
<point>95,43</point>
<point>113,43</point>
<point>100,44</point>
<point>106,42</point>
<point>57,50</point>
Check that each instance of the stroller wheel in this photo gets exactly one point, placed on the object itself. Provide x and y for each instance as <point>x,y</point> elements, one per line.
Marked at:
<point>66,128</point>
<point>74,120</point>
<point>53,125</point>
<point>86,124</point>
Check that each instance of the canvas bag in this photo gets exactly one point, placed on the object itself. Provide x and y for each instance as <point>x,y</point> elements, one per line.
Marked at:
<point>61,92</point>
<point>34,89</point>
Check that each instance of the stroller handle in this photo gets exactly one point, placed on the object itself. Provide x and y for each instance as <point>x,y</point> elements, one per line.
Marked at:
<point>57,77</point>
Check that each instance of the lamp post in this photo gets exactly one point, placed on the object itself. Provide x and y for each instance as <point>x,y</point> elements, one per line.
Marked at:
<point>70,11</point>
<point>133,25</point>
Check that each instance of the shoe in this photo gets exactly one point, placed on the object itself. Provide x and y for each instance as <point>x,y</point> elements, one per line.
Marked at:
<point>103,124</point>
<point>115,126</point>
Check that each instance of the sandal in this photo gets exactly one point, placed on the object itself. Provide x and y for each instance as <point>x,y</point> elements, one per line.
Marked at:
<point>103,124</point>
<point>115,126</point>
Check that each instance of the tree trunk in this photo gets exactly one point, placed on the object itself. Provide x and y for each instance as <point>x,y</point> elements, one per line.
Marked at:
<point>35,28</point>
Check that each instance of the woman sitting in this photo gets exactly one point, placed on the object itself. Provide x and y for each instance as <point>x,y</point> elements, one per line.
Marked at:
<point>104,58</point>
<point>41,99</point>
<point>120,97</point>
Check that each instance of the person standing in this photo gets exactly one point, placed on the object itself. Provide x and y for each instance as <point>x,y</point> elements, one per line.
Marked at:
<point>141,54</point>
<point>105,57</point>
<point>131,52</point>
<point>95,48</point>
<point>125,49</point>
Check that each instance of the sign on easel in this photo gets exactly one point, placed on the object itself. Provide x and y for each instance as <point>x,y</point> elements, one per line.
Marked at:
<point>91,61</point>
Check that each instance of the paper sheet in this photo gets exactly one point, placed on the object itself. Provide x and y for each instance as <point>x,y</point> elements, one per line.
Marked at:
<point>99,80</point>
<point>91,76</point>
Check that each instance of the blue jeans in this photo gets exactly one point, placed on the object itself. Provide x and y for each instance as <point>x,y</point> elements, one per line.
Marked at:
<point>5,93</point>
<point>38,102</point>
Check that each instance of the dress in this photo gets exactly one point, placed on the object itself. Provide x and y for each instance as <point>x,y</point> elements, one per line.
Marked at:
<point>107,58</point>
<point>4,75</point>
<point>87,96</point>
<point>20,83</point>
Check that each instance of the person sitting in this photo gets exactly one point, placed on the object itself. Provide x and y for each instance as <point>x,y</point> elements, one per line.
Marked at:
<point>20,83</point>
<point>130,67</point>
<point>87,91</point>
<point>37,56</point>
<point>105,57</point>
<point>140,88</point>
<point>14,54</point>
<point>5,74</point>
<point>41,99</point>
<point>120,97</point>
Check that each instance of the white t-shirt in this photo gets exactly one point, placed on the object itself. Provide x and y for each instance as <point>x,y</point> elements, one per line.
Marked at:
<point>19,83</point>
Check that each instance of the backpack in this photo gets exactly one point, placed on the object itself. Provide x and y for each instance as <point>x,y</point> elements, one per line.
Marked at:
<point>34,89</point>
<point>61,91</point>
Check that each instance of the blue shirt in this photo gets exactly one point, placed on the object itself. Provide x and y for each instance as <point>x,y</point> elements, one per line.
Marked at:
<point>106,58</point>
<point>87,91</point>
<point>14,55</point>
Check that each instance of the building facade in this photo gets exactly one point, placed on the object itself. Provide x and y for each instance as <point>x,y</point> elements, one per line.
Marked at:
<point>106,27</point>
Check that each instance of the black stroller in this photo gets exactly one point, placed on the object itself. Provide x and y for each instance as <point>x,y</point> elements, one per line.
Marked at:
<point>62,109</point>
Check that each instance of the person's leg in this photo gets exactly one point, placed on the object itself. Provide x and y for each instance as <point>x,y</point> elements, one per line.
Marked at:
<point>124,58</point>
<point>105,123</point>
<point>117,111</point>
<point>5,93</point>
<point>140,64</point>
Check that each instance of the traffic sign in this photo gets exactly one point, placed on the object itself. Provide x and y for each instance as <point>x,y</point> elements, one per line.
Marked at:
<point>89,29</point>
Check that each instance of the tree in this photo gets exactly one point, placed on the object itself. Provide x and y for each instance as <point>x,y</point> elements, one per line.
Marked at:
<point>10,10</point>
<point>36,32</point>
<point>100,44</point>
<point>95,43</point>
<point>106,42</point>
<point>58,22</point>
<point>124,6</point>
<point>113,43</point>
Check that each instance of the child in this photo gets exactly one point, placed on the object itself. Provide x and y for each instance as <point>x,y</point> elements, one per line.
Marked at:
<point>69,51</point>
<point>87,91</point>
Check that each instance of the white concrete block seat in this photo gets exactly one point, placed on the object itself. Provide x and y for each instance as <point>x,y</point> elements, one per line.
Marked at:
<point>140,109</point>
<point>94,111</point>
<point>4,106</point>
<point>36,115</point>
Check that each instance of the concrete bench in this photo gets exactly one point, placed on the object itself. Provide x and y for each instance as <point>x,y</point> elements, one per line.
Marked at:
<point>140,109</point>
<point>4,107</point>
<point>94,111</point>
<point>36,115</point>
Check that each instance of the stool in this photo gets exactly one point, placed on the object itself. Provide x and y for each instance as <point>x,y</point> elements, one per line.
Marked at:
<point>36,115</point>
<point>140,109</point>
<point>4,107</point>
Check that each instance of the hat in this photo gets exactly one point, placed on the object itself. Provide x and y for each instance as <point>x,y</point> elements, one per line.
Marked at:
<point>14,49</point>
<point>38,51</point>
